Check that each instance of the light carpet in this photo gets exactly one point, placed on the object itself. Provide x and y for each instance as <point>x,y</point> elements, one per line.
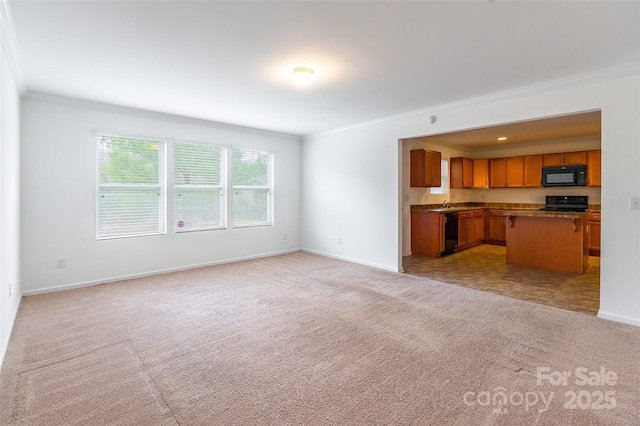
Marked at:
<point>302,339</point>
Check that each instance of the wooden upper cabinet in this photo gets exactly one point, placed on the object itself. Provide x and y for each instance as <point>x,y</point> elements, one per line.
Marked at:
<point>425,168</point>
<point>506,172</point>
<point>532,171</point>
<point>515,172</point>
<point>565,158</point>
<point>433,159</point>
<point>480,173</point>
<point>552,160</point>
<point>575,158</point>
<point>461,172</point>
<point>498,173</point>
<point>594,168</point>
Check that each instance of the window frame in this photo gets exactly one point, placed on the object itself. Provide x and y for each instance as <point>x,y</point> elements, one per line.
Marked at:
<point>269,188</point>
<point>443,189</point>
<point>223,187</point>
<point>161,186</point>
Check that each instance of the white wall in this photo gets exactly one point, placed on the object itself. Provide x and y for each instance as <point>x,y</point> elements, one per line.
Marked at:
<point>351,182</point>
<point>349,197</point>
<point>10,289</point>
<point>58,199</point>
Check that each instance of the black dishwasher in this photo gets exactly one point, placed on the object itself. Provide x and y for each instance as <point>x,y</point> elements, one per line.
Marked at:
<point>450,233</point>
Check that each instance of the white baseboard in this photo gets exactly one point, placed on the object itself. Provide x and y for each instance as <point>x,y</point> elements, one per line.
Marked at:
<point>5,343</point>
<point>352,260</point>
<point>619,318</point>
<point>151,273</point>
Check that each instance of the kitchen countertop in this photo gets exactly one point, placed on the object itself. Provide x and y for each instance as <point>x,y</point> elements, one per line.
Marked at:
<point>461,207</point>
<point>561,215</point>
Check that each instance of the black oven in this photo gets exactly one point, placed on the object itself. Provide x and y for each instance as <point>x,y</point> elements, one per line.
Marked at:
<point>566,203</point>
<point>575,175</point>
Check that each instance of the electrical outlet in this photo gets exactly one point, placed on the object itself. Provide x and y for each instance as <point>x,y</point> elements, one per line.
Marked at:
<point>61,263</point>
<point>284,237</point>
<point>635,203</point>
<point>339,240</point>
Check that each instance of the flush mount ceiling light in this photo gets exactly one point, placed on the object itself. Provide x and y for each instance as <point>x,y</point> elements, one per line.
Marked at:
<point>302,76</point>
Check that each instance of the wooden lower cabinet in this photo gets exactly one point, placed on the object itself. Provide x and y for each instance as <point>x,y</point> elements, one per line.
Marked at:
<point>470,229</point>
<point>497,228</point>
<point>594,234</point>
<point>427,233</point>
<point>479,227</point>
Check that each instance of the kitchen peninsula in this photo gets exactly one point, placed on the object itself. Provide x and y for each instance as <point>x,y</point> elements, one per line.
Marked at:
<point>549,240</point>
<point>549,232</point>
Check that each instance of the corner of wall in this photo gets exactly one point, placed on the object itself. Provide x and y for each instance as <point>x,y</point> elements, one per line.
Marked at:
<point>5,341</point>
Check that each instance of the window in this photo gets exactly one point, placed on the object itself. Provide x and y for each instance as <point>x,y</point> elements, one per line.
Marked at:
<point>199,187</point>
<point>252,188</point>
<point>130,187</point>
<point>444,184</point>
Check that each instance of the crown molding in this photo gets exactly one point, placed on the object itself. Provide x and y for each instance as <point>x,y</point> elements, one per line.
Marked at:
<point>153,115</point>
<point>535,89</point>
<point>10,46</point>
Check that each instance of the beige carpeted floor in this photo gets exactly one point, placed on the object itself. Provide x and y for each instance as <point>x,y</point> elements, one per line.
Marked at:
<point>302,339</point>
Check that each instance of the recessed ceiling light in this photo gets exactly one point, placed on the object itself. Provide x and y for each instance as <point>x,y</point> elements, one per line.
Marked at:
<point>302,76</point>
<point>502,138</point>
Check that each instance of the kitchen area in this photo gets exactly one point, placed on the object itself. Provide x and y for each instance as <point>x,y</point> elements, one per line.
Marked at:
<point>511,209</point>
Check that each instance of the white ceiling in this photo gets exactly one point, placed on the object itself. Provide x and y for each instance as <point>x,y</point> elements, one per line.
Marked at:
<point>229,61</point>
<point>540,130</point>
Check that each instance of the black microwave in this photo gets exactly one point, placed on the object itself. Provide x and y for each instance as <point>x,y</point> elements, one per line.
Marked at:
<point>575,175</point>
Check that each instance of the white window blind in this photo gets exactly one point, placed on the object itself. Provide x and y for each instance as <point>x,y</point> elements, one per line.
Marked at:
<point>252,188</point>
<point>130,187</point>
<point>444,185</point>
<point>199,187</point>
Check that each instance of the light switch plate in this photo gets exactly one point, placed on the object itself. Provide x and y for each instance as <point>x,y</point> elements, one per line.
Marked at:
<point>635,203</point>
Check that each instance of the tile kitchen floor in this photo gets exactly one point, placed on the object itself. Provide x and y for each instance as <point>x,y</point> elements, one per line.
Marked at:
<point>484,268</point>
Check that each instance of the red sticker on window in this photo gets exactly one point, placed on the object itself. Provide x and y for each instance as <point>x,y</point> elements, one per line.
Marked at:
<point>181,224</point>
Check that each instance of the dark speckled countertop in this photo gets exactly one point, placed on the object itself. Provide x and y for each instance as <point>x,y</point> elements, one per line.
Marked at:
<point>560,215</point>
<point>460,207</point>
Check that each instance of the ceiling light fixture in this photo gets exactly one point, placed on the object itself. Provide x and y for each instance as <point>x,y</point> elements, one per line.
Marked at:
<point>302,76</point>
<point>502,138</point>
